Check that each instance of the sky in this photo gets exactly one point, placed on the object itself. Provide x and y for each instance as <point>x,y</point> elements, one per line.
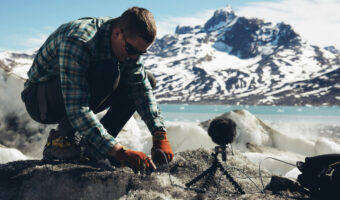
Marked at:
<point>26,24</point>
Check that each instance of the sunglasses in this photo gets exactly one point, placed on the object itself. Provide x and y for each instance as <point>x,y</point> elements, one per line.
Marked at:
<point>131,50</point>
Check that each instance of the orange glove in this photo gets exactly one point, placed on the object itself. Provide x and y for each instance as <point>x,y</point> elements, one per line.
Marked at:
<point>137,161</point>
<point>161,143</point>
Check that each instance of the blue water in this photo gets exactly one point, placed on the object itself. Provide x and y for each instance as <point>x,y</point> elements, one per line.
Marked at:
<point>308,114</point>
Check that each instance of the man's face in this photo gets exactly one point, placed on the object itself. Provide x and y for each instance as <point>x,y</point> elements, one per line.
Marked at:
<point>126,48</point>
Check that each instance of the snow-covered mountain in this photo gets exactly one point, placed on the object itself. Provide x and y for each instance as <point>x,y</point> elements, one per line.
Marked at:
<point>16,63</point>
<point>234,60</point>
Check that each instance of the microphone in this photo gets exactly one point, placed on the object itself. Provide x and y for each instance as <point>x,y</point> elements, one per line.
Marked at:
<point>222,131</point>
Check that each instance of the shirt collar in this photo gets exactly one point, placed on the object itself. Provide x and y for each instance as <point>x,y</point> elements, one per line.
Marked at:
<point>104,50</point>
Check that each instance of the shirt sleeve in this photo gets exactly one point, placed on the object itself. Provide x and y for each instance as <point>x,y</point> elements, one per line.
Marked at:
<point>141,93</point>
<point>74,63</point>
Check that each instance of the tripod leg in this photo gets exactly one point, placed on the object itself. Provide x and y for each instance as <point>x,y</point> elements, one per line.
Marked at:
<point>231,179</point>
<point>205,186</point>
<point>198,177</point>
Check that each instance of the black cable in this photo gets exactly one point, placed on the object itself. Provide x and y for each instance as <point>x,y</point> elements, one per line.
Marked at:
<point>241,170</point>
<point>239,177</point>
<point>167,163</point>
<point>232,181</point>
<point>172,184</point>
<point>198,189</point>
<point>273,159</point>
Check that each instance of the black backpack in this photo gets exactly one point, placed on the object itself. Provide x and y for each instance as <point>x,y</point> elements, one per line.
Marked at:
<point>321,176</point>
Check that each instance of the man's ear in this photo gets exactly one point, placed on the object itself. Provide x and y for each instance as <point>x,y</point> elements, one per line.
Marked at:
<point>116,32</point>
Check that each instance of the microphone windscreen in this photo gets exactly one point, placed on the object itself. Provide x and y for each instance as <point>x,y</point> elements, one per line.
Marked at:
<point>222,131</point>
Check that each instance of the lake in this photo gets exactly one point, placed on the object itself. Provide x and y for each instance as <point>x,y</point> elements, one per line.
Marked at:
<point>276,114</point>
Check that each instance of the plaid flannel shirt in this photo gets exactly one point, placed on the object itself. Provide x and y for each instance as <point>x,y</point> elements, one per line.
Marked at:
<point>68,52</point>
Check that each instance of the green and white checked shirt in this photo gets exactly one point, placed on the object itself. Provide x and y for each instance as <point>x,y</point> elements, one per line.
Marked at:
<point>68,52</point>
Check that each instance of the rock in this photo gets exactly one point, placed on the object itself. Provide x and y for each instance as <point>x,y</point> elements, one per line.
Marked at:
<point>278,184</point>
<point>183,29</point>
<point>36,179</point>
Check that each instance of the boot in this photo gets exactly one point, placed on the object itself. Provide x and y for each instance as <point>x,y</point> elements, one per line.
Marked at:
<point>60,147</point>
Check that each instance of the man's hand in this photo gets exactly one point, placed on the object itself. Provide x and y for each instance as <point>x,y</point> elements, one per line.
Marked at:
<point>161,144</point>
<point>137,161</point>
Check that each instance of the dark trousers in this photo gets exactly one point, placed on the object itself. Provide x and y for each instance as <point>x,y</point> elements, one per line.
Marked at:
<point>44,102</point>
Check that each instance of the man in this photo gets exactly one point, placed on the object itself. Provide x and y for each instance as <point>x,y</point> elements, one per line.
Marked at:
<point>85,67</point>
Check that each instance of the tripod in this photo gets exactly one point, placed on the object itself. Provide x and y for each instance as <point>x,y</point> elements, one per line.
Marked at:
<point>210,172</point>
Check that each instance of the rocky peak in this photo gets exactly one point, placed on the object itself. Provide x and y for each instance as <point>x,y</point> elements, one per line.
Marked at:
<point>241,37</point>
<point>248,38</point>
<point>285,34</point>
<point>220,18</point>
<point>332,49</point>
<point>161,45</point>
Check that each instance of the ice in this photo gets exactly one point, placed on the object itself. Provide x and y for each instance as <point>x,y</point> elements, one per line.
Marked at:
<point>10,154</point>
<point>294,173</point>
<point>134,138</point>
<point>325,146</point>
<point>267,142</point>
<point>274,166</point>
<point>279,141</point>
<point>180,136</point>
<point>188,136</point>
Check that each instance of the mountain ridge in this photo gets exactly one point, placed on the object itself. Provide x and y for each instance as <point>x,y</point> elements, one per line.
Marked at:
<point>235,60</point>
<point>231,59</point>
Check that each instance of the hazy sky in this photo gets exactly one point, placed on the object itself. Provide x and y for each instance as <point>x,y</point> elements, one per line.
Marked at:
<point>27,23</point>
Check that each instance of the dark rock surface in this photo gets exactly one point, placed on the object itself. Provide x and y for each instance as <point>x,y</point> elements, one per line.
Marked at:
<point>35,179</point>
<point>183,29</point>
